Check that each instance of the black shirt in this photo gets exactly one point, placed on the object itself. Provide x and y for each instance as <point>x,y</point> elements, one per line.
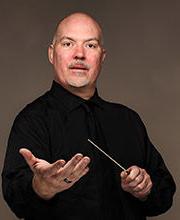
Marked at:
<point>57,126</point>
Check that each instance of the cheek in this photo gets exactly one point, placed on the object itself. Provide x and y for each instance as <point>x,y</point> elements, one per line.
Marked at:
<point>62,58</point>
<point>95,60</point>
<point>96,63</point>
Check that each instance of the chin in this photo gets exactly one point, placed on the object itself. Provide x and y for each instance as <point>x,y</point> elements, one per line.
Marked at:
<point>78,83</point>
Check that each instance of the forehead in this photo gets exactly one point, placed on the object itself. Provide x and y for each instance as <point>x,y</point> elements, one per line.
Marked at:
<point>79,27</point>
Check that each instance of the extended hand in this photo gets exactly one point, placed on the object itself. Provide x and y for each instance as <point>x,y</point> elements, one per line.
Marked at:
<point>137,182</point>
<point>50,179</point>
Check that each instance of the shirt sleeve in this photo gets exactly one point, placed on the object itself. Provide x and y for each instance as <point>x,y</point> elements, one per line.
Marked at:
<point>163,189</point>
<point>28,131</point>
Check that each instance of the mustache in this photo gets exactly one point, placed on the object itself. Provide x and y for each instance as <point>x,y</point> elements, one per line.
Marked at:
<point>80,64</point>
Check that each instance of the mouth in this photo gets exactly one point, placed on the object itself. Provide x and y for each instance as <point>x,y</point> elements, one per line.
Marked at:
<point>78,67</point>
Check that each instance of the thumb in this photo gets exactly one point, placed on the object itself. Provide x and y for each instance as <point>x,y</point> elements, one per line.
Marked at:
<point>28,156</point>
<point>124,174</point>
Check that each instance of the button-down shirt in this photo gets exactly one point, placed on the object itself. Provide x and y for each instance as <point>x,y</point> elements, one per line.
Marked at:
<point>57,126</point>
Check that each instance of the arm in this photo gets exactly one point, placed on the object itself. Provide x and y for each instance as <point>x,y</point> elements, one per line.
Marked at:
<point>152,184</point>
<point>161,197</point>
<point>23,197</point>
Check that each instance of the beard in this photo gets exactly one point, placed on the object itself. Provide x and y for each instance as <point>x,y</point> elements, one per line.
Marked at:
<point>78,80</point>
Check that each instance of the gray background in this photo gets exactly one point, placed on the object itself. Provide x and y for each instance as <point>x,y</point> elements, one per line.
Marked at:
<point>141,70</point>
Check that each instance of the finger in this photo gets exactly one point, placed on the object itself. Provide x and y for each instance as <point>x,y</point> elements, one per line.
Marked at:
<point>53,169</point>
<point>134,171</point>
<point>144,183</point>
<point>28,156</point>
<point>79,168</point>
<point>84,172</point>
<point>141,186</point>
<point>138,180</point>
<point>147,190</point>
<point>71,182</point>
<point>144,193</point>
<point>69,166</point>
<point>124,174</point>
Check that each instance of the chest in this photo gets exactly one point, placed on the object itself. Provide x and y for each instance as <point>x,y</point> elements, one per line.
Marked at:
<point>69,136</point>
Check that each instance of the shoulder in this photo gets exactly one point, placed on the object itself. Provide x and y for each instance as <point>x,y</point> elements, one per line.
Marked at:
<point>122,113</point>
<point>118,108</point>
<point>38,106</point>
<point>38,109</point>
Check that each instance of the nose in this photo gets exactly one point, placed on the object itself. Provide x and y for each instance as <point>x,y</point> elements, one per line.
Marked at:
<point>79,53</point>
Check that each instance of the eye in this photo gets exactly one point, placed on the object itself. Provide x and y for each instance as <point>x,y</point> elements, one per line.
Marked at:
<point>67,44</point>
<point>91,45</point>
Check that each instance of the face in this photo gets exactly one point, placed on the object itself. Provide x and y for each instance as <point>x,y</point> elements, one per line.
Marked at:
<point>77,53</point>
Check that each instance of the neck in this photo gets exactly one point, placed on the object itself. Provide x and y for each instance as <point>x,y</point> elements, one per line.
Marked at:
<point>83,92</point>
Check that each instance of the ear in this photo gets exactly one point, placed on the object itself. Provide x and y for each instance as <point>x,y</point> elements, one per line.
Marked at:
<point>103,55</point>
<point>50,53</point>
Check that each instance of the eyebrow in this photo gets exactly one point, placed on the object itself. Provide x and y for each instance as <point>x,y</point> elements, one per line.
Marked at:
<point>89,39</point>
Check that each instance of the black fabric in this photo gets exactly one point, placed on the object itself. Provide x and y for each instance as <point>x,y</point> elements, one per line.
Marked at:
<point>104,174</point>
<point>57,126</point>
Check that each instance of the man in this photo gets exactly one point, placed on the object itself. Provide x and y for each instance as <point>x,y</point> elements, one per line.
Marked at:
<point>58,173</point>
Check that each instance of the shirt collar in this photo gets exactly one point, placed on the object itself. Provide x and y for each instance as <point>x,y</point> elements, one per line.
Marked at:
<point>71,101</point>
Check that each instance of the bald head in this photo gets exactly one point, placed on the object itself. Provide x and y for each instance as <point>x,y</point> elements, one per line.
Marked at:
<point>76,21</point>
<point>77,54</point>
